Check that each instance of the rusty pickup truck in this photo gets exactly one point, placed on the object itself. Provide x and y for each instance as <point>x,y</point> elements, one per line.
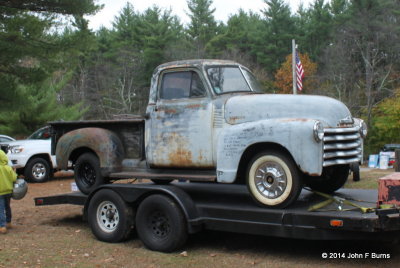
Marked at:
<point>208,120</point>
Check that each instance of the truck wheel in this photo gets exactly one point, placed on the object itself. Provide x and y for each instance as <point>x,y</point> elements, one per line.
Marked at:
<point>87,173</point>
<point>332,179</point>
<point>110,218</point>
<point>273,179</point>
<point>37,170</point>
<point>355,169</point>
<point>161,224</point>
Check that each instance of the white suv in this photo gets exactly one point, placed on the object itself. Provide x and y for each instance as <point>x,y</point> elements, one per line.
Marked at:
<point>32,157</point>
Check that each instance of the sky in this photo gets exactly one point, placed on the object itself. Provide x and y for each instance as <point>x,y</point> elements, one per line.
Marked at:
<point>224,8</point>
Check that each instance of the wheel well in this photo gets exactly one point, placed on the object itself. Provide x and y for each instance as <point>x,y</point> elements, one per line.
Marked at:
<point>78,152</point>
<point>250,152</point>
<point>43,156</point>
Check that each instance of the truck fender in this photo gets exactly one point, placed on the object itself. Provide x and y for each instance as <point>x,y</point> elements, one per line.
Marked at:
<point>134,195</point>
<point>294,135</point>
<point>104,143</point>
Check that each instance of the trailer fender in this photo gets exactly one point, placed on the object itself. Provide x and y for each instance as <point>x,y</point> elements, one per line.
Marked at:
<point>104,143</point>
<point>135,195</point>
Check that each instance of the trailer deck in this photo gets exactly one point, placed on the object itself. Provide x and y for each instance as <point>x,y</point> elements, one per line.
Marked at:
<point>230,208</point>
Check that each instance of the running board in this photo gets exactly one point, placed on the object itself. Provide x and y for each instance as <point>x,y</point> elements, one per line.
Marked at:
<point>167,174</point>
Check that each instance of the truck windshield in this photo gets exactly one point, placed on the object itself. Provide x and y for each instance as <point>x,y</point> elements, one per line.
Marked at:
<point>230,79</point>
<point>40,134</point>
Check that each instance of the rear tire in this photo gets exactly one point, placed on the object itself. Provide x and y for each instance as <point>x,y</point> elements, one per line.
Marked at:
<point>273,179</point>
<point>161,224</point>
<point>87,173</point>
<point>37,170</point>
<point>110,217</point>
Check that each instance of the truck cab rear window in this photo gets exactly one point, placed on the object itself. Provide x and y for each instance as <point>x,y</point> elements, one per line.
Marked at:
<point>179,85</point>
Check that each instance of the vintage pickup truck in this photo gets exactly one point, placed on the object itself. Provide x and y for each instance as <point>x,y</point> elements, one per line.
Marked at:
<point>207,120</point>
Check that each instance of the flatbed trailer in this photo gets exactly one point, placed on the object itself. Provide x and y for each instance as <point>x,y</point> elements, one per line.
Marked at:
<point>163,215</point>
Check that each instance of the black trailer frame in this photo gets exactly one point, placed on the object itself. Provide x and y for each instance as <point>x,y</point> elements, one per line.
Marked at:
<point>230,208</point>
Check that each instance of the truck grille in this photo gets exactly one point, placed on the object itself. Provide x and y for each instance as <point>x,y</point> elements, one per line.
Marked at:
<point>342,146</point>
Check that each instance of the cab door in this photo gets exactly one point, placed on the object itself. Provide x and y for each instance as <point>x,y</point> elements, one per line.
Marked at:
<point>181,122</point>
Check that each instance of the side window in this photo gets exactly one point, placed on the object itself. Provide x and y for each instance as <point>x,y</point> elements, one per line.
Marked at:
<point>197,88</point>
<point>178,85</point>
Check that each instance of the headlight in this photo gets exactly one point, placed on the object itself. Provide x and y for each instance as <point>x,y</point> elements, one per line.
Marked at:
<point>318,131</point>
<point>16,149</point>
<point>363,128</point>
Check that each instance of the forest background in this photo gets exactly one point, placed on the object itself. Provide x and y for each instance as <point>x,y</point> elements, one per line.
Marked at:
<point>53,67</point>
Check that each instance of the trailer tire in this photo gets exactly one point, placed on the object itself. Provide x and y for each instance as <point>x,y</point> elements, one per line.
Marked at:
<point>161,224</point>
<point>87,173</point>
<point>332,179</point>
<point>110,218</point>
<point>277,187</point>
<point>37,170</point>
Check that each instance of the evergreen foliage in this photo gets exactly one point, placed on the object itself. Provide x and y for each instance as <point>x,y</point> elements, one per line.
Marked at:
<point>349,49</point>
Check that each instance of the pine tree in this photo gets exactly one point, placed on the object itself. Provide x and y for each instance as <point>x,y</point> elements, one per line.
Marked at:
<point>32,51</point>
<point>275,42</point>
<point>202,27</point>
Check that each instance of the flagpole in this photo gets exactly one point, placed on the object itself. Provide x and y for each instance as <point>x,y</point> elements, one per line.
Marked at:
<point>294,66</point>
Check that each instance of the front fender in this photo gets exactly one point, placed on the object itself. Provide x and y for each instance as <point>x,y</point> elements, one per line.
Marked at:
<point>105,143</point>
<point>295,135</point>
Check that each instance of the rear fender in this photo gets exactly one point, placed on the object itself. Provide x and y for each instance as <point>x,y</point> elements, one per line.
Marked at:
<point>104,143</point>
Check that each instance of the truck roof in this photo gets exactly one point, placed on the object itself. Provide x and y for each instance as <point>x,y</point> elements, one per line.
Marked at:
<point>195,63</point>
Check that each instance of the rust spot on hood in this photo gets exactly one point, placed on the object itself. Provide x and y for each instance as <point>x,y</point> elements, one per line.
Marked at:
<point>232,120</point>
<point>296,120</point>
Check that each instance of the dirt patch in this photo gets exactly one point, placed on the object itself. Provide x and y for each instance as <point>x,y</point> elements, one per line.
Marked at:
<point>56,236</point>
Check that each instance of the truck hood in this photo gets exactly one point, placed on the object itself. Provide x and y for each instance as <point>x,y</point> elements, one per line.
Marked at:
<point>33,143</point>
<point>248,108</point>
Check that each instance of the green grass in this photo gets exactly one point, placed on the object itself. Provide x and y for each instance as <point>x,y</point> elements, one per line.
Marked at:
<point>369,179</point>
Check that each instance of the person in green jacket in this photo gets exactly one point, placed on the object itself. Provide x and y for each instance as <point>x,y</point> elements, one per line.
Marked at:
<point>7,179</point>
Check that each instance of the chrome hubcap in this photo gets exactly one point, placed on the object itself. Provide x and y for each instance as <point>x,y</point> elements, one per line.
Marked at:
<point>270,179</point>
<point>39,171</point>
<point>107,216</point>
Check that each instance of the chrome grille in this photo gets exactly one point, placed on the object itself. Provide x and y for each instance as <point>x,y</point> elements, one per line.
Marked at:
<point>342,146</point>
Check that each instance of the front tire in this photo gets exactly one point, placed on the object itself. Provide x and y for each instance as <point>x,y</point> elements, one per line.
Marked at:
<point>87,173</point>
<point>273,179</point>
<point>161,224</point>
<point>332,179</point>
<point>110,217</point>
<point>37,170</point>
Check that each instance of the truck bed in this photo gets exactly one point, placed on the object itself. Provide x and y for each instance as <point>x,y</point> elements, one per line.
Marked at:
<point>130,131</point>
<point>230,208</point>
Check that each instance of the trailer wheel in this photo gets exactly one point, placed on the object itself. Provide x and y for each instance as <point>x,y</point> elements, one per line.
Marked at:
<point>332,179</point>
<point>273,179</point>
<point>110,218</point>
<point>161,224</point>
<point>87,173</point>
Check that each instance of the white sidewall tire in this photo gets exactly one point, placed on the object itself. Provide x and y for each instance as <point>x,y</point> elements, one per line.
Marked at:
<point>293,185</point>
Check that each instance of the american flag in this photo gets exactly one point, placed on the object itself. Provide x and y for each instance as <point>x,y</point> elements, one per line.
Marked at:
<point>299,72</point>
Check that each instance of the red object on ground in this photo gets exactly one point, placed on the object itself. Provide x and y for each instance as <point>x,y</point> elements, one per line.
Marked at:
<point>389,189</point>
